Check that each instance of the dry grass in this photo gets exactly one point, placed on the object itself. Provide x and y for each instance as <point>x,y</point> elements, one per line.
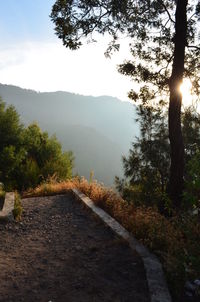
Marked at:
<point>18,210</point>
<point>51,187</point>
<point>175,240</point>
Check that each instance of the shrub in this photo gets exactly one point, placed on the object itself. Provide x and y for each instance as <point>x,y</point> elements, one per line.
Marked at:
<point>17,211</point>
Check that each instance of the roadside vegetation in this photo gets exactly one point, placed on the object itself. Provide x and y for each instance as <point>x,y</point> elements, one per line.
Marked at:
<point>18,209</point>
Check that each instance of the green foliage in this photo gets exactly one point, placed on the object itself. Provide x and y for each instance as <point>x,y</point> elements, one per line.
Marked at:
<point>191,132</point>
<point>192,184</point>
<point>10,127</point>
<point>18,210</point>
<point>29,155</point>
<point>44,157</point>
<point>151,28</point>
<point>147,167</point>
<point>11,149</point>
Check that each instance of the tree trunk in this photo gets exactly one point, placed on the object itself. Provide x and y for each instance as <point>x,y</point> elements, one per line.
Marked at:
<point>175,133</point>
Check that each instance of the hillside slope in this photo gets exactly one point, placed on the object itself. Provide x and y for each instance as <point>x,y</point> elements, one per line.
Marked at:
<point>97,129</point>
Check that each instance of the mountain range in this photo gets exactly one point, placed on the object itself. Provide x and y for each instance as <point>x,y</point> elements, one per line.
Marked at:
<point>99,130</point>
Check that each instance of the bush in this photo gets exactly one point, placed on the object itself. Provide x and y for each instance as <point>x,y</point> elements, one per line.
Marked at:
<point>17,211</point>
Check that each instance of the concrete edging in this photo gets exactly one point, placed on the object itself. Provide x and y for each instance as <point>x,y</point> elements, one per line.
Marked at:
<point>155,277</point>
<point>6,214</point>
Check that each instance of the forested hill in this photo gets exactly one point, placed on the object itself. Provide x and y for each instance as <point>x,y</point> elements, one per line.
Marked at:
<point>97,129</point>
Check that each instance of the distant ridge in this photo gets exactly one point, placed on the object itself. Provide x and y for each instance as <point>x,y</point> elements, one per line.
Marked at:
<point>97,129</point>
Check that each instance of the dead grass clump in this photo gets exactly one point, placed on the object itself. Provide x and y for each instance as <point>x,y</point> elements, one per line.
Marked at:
<point>51,187</point>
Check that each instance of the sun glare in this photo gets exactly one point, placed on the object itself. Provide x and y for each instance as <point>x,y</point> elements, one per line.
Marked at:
<point>185,89</point>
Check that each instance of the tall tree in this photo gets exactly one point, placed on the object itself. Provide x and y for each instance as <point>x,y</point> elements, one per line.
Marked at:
<point>146,168</point>
<point>175,134</point>
<point>165,47</point>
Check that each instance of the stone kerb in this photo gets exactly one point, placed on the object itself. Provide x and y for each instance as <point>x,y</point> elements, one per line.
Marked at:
<point>155,277</point>
<point>6,214</point>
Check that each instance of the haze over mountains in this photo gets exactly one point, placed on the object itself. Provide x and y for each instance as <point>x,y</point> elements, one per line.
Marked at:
<point>99,130</point>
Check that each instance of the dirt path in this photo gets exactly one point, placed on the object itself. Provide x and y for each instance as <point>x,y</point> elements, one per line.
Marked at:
<point>61,252</point>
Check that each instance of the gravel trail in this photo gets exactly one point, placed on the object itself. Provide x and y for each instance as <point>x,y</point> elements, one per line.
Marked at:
<point>61,252</point>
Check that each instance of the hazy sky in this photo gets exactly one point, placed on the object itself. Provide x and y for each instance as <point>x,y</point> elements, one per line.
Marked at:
<point>31,55</point>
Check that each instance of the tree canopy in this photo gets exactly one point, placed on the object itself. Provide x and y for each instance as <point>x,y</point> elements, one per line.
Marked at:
<point>165,47</point>
<point>28,155</point>
<point>150,24</point>
<point>146,168</point>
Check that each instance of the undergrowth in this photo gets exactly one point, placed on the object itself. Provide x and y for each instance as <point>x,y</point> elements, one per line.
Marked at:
<point>17,211</point>
<point>174,240</point>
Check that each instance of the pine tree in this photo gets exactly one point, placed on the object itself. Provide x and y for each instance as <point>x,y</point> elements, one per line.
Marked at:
<point>165,47</point>
<point>146,168</point>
